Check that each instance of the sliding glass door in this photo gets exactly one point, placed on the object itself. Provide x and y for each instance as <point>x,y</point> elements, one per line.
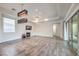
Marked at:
<point>70,32</point>
<point>73,33</point>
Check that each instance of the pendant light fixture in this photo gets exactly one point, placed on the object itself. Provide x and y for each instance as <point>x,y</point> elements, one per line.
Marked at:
<point>22,15</point>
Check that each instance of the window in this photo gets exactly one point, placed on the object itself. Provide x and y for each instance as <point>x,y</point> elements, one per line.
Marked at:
<point>8,25</point>
<point>54,29</point>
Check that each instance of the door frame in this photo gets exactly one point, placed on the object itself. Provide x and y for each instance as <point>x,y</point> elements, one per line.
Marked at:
<point>66,29</point>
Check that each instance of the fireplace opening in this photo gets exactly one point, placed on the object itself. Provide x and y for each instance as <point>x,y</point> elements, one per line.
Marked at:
<point>27,34</point>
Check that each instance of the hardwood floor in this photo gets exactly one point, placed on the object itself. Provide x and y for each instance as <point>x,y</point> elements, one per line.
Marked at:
<point>35,46</point>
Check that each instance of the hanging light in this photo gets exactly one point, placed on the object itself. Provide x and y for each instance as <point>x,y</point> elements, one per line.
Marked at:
<point>22,15</point>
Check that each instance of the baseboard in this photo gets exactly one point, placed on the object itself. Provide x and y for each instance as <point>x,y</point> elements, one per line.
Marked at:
<point>10,40</point>
<point>41,36</point>
<point>58,37</point>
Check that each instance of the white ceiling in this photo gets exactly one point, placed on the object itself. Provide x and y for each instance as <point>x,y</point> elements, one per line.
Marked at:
<point>45,10</point>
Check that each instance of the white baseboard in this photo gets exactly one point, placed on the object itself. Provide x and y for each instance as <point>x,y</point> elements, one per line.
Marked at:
<point>1,41</point>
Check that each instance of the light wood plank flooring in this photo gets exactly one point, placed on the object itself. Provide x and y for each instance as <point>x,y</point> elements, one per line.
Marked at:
<point>35,46</point>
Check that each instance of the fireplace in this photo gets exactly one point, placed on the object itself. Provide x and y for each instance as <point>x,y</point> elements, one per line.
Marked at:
<point>27,34</point>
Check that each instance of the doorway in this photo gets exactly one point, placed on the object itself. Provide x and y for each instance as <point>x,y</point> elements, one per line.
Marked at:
<point>73,33</point>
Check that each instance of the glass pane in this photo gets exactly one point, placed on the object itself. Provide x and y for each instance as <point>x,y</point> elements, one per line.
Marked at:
<point>75,31</point>
<point>70,32</point>
<point>8,25</point>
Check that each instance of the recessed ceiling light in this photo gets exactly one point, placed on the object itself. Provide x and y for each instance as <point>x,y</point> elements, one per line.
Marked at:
<point>45,19</point>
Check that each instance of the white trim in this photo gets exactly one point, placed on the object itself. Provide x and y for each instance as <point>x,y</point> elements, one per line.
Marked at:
<point>71,11</point>
<point>71,7</point>
<point>10,39</point>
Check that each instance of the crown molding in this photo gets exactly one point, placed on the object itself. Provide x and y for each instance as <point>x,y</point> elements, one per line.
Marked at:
<point>73,8</point>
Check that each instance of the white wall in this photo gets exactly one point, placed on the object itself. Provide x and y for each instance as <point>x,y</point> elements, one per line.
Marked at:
<point>41,29</point>
<point>20,28</point>
<point>46,28</point>
<point>59,29</point>
<point>0,28</point>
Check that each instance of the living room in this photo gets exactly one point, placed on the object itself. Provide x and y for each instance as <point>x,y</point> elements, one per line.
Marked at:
<point>28,28</point>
